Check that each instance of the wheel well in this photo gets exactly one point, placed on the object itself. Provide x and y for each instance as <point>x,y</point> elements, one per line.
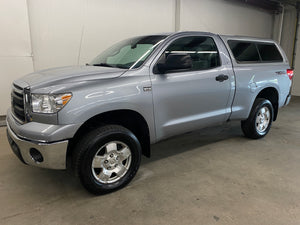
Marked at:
<point>272,95</point>
<point>126,118</point>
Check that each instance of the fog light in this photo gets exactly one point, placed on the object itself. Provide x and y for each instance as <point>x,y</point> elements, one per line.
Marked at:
<point>36,155</point>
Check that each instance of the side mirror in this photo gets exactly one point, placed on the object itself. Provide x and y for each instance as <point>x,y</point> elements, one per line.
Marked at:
<point>174,62</point>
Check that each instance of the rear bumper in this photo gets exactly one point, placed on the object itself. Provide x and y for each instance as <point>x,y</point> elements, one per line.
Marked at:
<point>53,154</point>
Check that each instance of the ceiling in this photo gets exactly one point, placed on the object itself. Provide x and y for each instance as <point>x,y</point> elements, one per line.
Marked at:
<point>290,2</point>
<point>274,6</point>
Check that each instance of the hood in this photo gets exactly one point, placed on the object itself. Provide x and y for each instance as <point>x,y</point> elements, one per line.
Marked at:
<point>69,74</point>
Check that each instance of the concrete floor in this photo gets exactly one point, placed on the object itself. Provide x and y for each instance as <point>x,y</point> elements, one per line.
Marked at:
<point>214,176</point>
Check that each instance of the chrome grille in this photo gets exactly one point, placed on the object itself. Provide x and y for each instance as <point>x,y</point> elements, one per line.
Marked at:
<point>17,102</point>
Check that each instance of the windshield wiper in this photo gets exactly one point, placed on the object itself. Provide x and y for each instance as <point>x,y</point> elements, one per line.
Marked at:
<point>103,64</point>
<point>121,66</point>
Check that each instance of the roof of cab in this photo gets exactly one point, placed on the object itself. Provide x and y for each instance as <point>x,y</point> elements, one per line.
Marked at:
<point>224,37</point>
<point>237,37</point>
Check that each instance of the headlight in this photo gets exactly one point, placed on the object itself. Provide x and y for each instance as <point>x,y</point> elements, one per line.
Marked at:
<point>41,103</point>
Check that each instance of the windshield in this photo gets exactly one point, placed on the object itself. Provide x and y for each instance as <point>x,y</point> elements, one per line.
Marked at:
<point>128,54</point>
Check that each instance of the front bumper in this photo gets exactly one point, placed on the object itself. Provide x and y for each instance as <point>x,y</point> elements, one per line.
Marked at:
<point>39,144</point>
<point>53,154</point>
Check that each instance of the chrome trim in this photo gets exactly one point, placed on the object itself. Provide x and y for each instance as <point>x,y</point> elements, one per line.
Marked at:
<point>27,104</point>
<point>16,118</point>
<point>18,103</point>
<point>17,89</point>
<point>147,88</point>
<point>54,154</point>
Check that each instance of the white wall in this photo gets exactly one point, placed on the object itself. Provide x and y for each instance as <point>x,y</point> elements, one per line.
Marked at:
<point>225,17</point>
<point>55,31</point>
<point>296,79</point>
<point>120,19</point>
<point>288,31</point>
<point>15,48</point>
<point>287,43</point>
<point>68,32</point>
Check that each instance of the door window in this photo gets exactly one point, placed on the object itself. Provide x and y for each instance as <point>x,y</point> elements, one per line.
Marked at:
<point>203,51</point>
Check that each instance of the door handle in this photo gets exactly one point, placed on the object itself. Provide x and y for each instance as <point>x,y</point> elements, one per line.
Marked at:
<point>221,78</point>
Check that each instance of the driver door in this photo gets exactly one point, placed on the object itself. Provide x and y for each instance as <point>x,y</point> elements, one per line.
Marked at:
<point>190,99</point>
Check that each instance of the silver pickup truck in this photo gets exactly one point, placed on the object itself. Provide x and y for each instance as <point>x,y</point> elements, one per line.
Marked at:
<point>101,117</point>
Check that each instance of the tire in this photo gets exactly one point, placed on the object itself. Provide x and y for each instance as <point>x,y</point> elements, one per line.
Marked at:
<point>106,159</point>
<point>260,119</point>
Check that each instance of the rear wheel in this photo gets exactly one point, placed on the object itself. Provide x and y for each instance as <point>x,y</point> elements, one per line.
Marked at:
<point>260,119</point>
<point>107,159</point>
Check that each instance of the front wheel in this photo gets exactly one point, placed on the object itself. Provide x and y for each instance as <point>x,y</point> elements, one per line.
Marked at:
<point>107,159</point>
<point>260,119</point>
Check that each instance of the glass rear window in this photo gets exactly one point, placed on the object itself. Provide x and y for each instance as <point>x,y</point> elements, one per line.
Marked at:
<point>254,52</point>
<point>244,51</point>
<point>269,53</point>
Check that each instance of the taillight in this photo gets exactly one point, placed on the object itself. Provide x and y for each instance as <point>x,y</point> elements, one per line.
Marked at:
<point>290,73</point>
